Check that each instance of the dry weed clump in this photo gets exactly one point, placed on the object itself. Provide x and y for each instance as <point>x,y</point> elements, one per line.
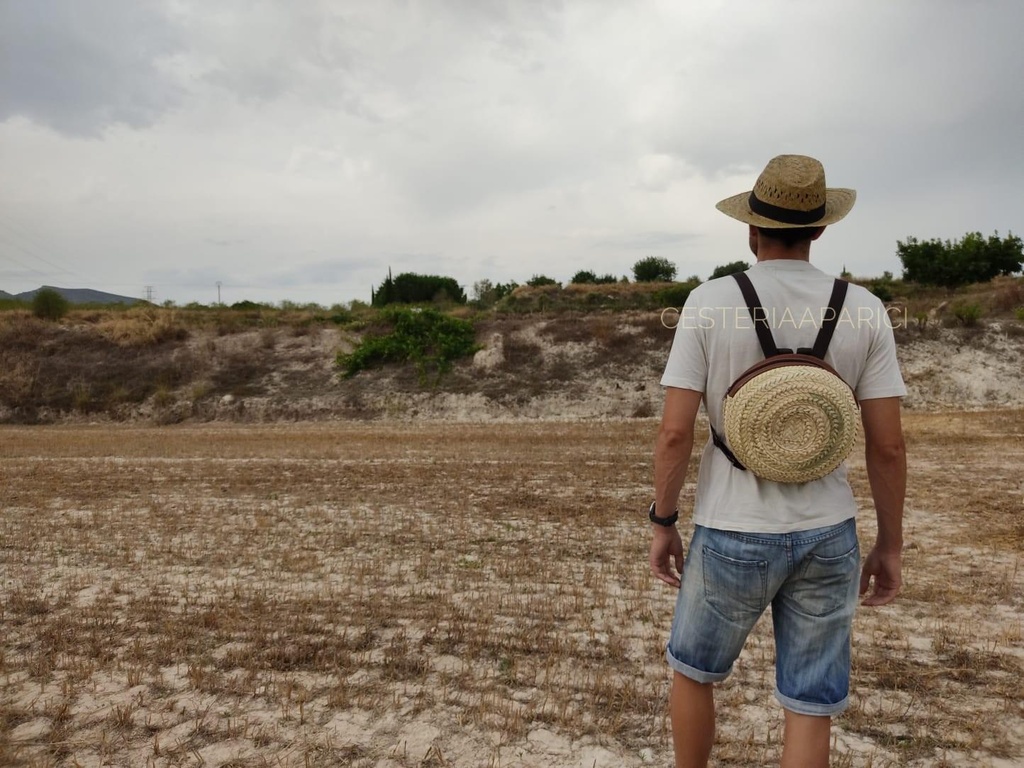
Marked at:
<point>458,595</point>
<point>1007,294</point>
<point>76,370</point>
<point>143,326</point>
<point>20,330</point>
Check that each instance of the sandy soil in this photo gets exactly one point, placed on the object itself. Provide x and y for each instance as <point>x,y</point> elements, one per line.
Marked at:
<point>440,594</point>
<point>944,368</point>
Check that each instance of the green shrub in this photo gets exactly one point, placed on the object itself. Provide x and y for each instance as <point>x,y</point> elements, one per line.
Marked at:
<point>246,304</point>
<point>339,314</point>
<point>728,269</point>
<point>587,277</point>
<point>1020,314</point>
<point>584,277</point>
<point>538,280</point>
<point>426,337</point>
<point>966,314</point>
<point>972,259</point>
<point>48,304</point>
<point>411,288</point>
<point>654,269</point>
<point>881,287</point>
<point>675,295</point>
<point>486,293</point>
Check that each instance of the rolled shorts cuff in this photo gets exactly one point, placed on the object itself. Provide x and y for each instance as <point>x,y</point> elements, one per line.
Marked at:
<point>809,708</point>
<point>697,675</point>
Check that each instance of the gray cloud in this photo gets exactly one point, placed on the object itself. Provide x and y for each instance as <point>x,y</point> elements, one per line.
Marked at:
<point>328,272</point>
<point>80,66</point>
<point>249,142</point>
<point>645,241</point>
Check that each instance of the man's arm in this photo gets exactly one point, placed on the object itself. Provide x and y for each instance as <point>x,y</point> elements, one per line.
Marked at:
<point>886,458</point>
<point>671,459</point>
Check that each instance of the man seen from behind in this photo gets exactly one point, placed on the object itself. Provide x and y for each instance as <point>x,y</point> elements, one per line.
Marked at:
<point>756,542</point>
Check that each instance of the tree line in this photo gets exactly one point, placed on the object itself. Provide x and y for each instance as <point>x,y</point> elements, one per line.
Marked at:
<point>971,259</point>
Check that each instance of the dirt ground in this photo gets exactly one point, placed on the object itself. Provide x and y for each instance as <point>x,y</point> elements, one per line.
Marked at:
<point>453,594</point>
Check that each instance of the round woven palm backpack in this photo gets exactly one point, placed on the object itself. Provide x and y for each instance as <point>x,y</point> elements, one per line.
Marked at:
<point>789,418</point>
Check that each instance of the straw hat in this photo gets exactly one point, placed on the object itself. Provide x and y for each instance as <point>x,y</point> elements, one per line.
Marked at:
<point>790,192</point>
<point>792,420</point>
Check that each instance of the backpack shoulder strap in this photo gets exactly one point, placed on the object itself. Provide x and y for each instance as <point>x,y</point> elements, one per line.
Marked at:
<point>720,445</point>
<point>831,320</point>
<point>759,316</point>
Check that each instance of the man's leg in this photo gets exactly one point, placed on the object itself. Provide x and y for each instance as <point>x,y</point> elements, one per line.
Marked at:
<point>693,721</point>
<point>813,619</point>
<point>724,592</point>
<point>806,742</point>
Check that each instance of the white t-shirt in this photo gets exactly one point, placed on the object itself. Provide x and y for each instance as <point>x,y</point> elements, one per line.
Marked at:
<point>715,342</point>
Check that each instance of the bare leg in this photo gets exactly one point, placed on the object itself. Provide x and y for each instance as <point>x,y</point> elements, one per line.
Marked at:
<point>693,721</point>
<point>807,741</point>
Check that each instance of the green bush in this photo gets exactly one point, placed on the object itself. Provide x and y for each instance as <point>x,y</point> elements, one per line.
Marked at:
<point>1020,314</point>
<point>340,316</point>
<point>538,280</point>
<point>587,277</point>
<point>654,269</point>
<point>729,269</point>
<point>881,287</point>
<point>966,314</point>
<point>881,290</point>
<point>48,304</point>
<point>584,277</point>
<point>487,294</point>
<point>410,288</point>
<point>426,337</point>
<point>972,259</point>
<point>676,294</point>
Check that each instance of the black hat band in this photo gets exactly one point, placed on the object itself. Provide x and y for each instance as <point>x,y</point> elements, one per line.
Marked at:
<point>785,215</point>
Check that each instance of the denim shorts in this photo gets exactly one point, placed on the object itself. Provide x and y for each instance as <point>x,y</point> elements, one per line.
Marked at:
<point>809,578</point>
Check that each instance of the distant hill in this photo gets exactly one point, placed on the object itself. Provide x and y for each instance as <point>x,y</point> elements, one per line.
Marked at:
<point>76,296</point>
<point>6,295</point>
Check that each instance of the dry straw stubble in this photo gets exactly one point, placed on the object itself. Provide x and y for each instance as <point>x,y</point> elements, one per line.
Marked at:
<point>446,594</point>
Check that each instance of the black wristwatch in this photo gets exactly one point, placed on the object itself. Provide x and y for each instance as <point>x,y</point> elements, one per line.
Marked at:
<point>665,521</point>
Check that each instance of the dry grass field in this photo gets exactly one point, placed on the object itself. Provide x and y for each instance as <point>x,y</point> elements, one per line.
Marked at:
<point>439,594</point>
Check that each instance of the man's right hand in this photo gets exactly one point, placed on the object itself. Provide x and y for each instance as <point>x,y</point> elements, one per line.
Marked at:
<point>666,552</point>
<point>884,569</point>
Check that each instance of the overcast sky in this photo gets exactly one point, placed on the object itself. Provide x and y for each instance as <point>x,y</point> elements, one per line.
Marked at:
<point>296,149</point>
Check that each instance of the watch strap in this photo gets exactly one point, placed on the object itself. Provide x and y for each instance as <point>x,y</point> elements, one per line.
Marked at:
<point>664,521</point>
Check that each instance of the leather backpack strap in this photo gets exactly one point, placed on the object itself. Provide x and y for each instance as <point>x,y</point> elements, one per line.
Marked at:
<point>720,445</point>
<point>829,323</point>
<point>758,315</point>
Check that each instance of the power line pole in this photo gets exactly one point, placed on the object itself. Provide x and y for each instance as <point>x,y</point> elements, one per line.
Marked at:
<point>149,293</point>
<point>218,291</point>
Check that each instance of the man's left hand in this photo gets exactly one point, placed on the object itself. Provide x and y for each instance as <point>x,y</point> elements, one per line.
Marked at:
<point>666,552</point>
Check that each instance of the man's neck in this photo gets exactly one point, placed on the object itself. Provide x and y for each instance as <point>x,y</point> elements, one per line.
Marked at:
<point>773,249</point>
<point>772,252</point>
